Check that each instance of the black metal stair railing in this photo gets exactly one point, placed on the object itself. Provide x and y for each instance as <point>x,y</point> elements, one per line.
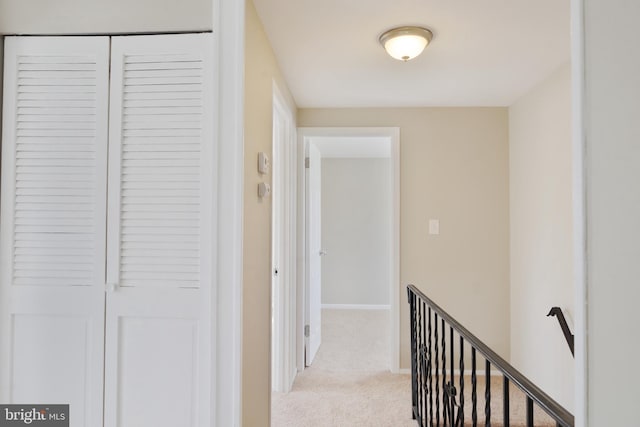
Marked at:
<point>438,398</point>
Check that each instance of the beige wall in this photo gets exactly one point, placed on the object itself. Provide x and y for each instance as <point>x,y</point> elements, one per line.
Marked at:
<point>260,71</point>
<point>453,167</point>
<point>612,165</point>
<point>541,234</point>
<point>104,16</point>
<point>356,223</point>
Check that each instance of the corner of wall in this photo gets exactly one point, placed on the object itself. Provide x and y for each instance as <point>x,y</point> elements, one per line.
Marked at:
<point>261,71</point>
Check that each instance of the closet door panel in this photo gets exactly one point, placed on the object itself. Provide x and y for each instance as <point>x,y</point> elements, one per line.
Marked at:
<point>160,258</point>
<point>158,357</point>
<point>60,371</point>
<point>52,231</point>
<point>142,384</point>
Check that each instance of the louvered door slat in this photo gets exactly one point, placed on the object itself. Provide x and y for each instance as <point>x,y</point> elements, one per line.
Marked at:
<point>49,88</point>
<point>50,75</point>
<point>160,157</point>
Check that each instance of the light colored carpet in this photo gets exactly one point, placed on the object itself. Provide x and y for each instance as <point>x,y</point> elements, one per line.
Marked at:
<point>349,383</point>
<point>354,341</point>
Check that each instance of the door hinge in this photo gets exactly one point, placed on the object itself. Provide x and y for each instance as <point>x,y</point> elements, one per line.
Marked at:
<point>306,163</point>
<point>307,331</point>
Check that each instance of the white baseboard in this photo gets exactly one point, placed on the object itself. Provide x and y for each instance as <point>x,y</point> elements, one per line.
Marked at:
<point>356,307</point>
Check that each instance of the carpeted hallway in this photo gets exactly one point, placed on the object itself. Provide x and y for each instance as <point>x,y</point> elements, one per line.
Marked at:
<point>349,384</point>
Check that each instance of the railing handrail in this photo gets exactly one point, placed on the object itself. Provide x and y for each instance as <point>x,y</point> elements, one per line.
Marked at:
<point>545,401</point>
<point>568,336</point>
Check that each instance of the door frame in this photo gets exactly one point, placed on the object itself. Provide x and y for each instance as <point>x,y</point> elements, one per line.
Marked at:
<point>579,191</point>
<point>229,24</point>
<point>283,337</point>
<point>306,134</point>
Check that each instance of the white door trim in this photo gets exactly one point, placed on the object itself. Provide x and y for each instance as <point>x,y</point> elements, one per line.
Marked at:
<point>284,318</point>
<point>304,135</point>
<point>579,212</point>
<point>313,252</point>
<point>229,25</point>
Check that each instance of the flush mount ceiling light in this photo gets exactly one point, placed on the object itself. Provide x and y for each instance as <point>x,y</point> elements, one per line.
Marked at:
<point>405,43</point>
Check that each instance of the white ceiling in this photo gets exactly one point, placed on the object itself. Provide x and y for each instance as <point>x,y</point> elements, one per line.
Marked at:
<point>484,52</point>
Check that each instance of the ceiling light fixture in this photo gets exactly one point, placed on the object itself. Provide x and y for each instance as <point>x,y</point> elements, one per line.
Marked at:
<point>405,43</point>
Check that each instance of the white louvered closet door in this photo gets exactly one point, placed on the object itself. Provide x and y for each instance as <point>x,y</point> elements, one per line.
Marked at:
<point>160,257</point>
<point>53,220</point>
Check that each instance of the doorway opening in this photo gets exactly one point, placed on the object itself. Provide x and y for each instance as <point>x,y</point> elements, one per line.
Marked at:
<point>354,159</point>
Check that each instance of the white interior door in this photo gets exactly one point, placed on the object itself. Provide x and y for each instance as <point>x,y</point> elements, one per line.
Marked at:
<point>160,257</point>
<point>313,333</point>
<point>53,219</point>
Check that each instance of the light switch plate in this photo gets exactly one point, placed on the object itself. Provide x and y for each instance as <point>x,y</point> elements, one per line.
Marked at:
<point>434,226</point>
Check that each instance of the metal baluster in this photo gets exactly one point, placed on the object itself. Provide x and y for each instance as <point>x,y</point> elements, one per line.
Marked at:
<point>414,353</point>
<point>444,370</point>
<point>474,394</point>
<point>430,374</point>
<point>505,398</point>
<point>487,395</point>
<point>451,376</point>
<point>437,368</point>
<point>461,381</point>
<point>452,353</point>
<point>420,362</point>
<point>529,412</point>
<point>425,371</point>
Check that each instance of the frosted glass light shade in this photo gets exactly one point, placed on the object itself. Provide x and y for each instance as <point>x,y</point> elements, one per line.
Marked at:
<point>405,43</point>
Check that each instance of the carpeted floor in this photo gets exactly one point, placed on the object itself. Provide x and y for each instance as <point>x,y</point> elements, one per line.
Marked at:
<point>349,383</point>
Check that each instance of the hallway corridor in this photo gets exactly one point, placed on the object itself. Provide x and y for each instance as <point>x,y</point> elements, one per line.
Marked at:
<point>349,384</point>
